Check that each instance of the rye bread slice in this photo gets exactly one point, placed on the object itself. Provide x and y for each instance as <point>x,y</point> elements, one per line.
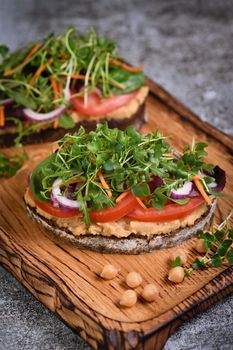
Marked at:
<point>51,134</point>
<point>133,244</point>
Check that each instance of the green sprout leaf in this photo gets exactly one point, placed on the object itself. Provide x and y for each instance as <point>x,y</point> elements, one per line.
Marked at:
<point>229,256</point>
<point>176,262</point>
<point>216,260</point>
<point>224,246</point>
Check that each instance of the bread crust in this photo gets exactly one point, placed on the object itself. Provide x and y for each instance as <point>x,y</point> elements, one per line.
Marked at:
<point>133,244</point>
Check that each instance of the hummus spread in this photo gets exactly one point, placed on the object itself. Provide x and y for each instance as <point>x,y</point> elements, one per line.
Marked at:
<point>121,228</point>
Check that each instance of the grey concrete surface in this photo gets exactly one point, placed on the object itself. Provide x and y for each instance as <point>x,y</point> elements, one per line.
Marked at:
<point>187,47</point>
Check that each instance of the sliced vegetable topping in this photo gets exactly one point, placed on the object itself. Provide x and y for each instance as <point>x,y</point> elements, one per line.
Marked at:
<point>97,105</point>
<point>109,174</point>
<point>170,212</point>
<point>60,199</point>
<point>31,76</point>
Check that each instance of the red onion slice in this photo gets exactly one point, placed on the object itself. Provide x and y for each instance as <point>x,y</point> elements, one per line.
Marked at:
<point>6,102</point>
<point>40,117</point>
<point>59,200</point>
<point>182,192</point>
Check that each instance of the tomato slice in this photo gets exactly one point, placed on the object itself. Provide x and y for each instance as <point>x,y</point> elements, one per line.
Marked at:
<point>57,212</point>
<point>97,105</point>
<point>171,211</point>
<point>121,209</point>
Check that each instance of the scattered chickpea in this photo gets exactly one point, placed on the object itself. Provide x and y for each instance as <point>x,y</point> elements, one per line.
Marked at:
<point>128,298</point>
<point>182,254</point>
<point>176,274</point>
<point>150,292</point>
<point>199,246</point>
<point>133,279</point>
<point>109,272</point>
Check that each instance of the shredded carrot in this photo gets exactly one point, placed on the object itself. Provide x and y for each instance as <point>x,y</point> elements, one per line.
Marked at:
<point>140,202</point>
<point>26,59</point>
<point>200,188</point>
<point>104,184</point>
<point>60,87</point>
<point>74,181</point>
<point>122,196</point>
<point>55,123</point>
<point>126,66</point>
<point>2,116</point>
<point>79,76</point>
<point>55,87</point>
<point>39,71</point>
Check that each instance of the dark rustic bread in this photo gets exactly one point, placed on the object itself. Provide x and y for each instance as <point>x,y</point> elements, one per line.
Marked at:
<point>133,244</point>
<point>51,134</point>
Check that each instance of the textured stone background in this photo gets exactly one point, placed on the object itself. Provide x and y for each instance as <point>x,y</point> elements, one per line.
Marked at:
<point>187,47</point>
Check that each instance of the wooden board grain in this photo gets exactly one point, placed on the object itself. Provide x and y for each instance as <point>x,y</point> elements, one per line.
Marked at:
<point>65,279</point>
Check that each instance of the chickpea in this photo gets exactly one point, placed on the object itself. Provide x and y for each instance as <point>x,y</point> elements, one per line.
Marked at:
<point>176,274</point>
<point>199,246</point>
<point>150,292</point>
<point>128,298</point>
<point>133,279</point>
<point>182,254</point>
<point>109,272</point>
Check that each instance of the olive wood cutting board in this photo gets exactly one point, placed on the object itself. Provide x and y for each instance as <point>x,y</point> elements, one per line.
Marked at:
<point>65,279</point>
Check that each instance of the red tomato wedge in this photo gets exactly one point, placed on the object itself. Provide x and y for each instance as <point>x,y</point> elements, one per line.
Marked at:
<point>121,209</point>
<point>171,211</point>
<point>98,105</point>
<point>57,212</point>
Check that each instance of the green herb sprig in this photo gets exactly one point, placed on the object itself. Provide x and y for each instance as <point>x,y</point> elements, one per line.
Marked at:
<point>219,247</point>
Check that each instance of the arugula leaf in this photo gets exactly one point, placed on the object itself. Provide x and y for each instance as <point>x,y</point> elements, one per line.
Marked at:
<point>141,190</point>
<point>37,176</point>
<point>130,81</point>
<point>66,121</point>
<point>21,98</point>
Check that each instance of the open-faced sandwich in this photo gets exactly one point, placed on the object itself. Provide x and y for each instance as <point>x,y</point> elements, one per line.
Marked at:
<point>55,85</point>
<point>120,191</point>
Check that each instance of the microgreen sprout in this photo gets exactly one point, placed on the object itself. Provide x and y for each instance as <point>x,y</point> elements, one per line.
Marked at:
<point>218,243</point>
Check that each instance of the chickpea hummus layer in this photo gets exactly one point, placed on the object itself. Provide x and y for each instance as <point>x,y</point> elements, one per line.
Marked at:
<point>121,228</point>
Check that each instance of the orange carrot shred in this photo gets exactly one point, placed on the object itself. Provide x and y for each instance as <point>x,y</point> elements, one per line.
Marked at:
<point>122,196</point>
<point>2,116</point>
<point>54,87</point>
<point>140,202</point>
<point>200,188</point>
<point>74,181</point>
<point>125,66</point>
<point>39,71</point>
<point>27,58</point>
<point>55,123</point>
<point>104,184</point>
